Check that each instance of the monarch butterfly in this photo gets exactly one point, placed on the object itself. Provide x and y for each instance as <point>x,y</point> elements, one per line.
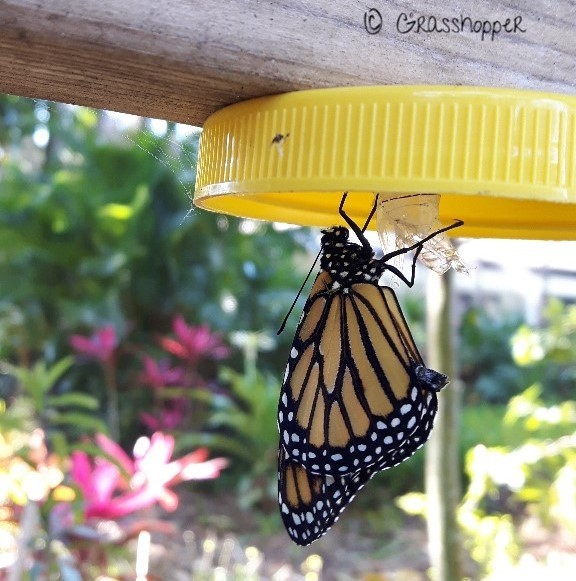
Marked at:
<point>356,396</point>
<point>355,387</point>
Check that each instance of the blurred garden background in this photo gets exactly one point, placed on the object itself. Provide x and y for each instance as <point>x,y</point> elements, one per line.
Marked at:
<point>140,371</point>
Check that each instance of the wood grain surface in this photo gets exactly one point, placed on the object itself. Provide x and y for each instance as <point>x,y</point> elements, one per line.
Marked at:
<point>182,59</point>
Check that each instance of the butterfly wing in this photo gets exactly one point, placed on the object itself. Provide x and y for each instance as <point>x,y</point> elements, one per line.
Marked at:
<point>311,503</point>
<point>354,391</point>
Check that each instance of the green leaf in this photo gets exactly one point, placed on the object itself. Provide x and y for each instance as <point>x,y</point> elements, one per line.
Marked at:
<point>188,392</point>
<point>116,211</point>
<point>80,420</point>
<point>223,444</point>
<point>39,379</point>
<point>59,368</point>
<point>73,398</point>
<point>59,443</point>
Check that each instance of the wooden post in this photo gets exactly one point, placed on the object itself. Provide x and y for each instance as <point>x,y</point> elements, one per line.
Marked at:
<point>443,488</point>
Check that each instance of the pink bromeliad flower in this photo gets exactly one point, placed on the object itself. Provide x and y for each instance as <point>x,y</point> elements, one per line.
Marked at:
<point>158,374</point>
<point>114,490</point>
<point>166,419</point>
<point>101,345</point>
<point>193,343</point>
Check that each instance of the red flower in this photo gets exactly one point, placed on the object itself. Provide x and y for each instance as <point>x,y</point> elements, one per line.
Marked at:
<point>159,373</point>
<point>167,419</point>
<point>101,345</point>
<point>108,494</point>
<point>193,343</point>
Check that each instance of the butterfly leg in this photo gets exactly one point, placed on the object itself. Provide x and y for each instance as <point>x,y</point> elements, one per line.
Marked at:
<point>353,226</point>
<point>408,281</point>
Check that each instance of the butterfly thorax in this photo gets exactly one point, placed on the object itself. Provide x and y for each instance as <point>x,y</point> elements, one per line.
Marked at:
<point>347,262</point>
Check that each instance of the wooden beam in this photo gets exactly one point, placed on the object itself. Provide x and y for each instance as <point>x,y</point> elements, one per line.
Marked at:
<point>183,59</point>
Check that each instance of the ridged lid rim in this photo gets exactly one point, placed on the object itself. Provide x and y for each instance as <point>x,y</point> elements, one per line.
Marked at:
<point>504,160</point>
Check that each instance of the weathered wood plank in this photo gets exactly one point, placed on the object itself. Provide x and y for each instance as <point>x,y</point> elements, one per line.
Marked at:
<point>181,59</point>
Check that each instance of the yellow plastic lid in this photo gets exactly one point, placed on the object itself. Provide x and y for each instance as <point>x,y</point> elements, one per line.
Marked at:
<point>503,160</point>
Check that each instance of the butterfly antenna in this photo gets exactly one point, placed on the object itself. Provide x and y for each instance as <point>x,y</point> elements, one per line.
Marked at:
<point>298,295</point>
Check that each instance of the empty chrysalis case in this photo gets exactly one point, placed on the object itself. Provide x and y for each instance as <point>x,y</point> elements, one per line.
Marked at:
<point>405,219</point>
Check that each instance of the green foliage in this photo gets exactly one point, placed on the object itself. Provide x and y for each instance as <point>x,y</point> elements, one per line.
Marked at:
<point>97,228</point>
<point>537,477</point>
<point>500,356</point>
<point>550,352</point>
<point>486,362</point>
<point>62,416</point>
<point>242,426</point>
<point>39,380</point>
<point>250,411</point>
<point>531,471</point>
